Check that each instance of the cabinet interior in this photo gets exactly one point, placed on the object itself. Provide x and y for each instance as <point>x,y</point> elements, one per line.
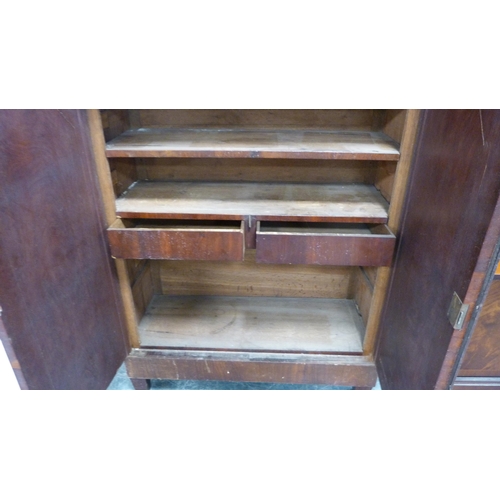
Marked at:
<point>246,202</point>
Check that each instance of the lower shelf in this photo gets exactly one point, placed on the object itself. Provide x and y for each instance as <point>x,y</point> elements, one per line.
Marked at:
<point>252,324</point>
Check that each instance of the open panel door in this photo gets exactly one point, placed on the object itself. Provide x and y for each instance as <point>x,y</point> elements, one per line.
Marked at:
<point>446,244</point>
<point>59,293</point>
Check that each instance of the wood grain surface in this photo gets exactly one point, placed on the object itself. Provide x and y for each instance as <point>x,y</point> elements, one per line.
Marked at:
<point>252,323</point>
<point>59,293</point>
<point>241,143</point>
<point>254,170</point>
<point>331,202</point>
<point>325,244</point>
<point>292,368</point>
<point>453,189</point>
<point>177,242</point>
<point>250,279</point>
<point>106,183</point>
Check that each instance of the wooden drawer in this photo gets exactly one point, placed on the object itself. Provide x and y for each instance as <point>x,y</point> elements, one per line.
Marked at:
<point>177,240</point>
<point>325,244</point>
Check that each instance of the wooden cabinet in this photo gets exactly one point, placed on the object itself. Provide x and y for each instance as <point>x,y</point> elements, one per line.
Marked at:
<point>255,245</point>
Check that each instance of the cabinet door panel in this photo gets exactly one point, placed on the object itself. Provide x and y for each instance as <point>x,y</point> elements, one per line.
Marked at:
<point>453,189</point>
<point>59,293</point>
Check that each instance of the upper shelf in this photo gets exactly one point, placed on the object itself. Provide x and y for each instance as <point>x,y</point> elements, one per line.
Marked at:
<point>266,201</point>
<point>246,143</point>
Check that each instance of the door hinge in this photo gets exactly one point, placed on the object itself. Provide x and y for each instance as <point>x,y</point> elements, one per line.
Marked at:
<point>457,312</point>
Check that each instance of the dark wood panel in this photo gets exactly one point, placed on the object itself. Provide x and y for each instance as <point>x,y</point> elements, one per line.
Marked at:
<point>59,291</point>
<point>454,187</point>
<point>482,357</point>
<point>242,143</point>
<point>177,242</point>
<point>335,246</point>
<point>251,367</point>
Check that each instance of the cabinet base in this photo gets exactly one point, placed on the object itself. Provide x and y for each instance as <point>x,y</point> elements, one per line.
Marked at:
<point>289,368</point>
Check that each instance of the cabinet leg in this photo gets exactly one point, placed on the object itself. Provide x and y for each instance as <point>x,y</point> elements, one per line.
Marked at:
<point>141,384</point>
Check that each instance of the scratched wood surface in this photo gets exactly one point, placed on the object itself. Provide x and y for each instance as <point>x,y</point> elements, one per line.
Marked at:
<point>339,202</point>
<point>292,367</point>
<point>256,323</point>
<point>242,143</point>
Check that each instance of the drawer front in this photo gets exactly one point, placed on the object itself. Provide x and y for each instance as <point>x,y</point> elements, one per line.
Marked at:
<point>176,242</point>
<point>353,245</point>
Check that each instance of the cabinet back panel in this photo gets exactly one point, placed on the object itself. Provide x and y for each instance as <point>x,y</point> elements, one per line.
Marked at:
<point>358,119</point>
<point>250,279</point>
<point>262,170</point>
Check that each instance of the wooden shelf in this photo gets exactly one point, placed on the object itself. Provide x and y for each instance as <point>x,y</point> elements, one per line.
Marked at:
<point>252,324</point>
<point>269,201</point>
<point>246,143</point>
